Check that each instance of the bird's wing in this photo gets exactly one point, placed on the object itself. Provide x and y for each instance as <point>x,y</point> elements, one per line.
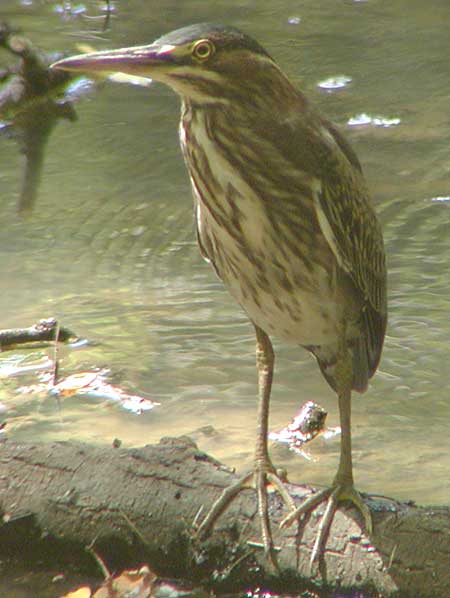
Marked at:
<point>349,213</point>
<point>342,203</point>
<point>356,233</point>
<point>345,215</point>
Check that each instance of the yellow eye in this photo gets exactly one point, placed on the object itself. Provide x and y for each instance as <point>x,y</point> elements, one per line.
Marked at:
<point>203,49</point>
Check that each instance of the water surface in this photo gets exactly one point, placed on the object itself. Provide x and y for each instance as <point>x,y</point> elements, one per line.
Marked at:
<point>109,248</point>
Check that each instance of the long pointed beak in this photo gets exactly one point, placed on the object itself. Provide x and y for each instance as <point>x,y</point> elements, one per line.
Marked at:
<point>143,61</point>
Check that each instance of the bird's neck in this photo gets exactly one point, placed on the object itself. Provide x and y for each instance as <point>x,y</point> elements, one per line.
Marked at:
<point>263,93</point>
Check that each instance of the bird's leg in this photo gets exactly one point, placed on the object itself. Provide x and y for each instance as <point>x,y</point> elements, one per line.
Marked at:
<point>342,487</point>
<point>264,472</point>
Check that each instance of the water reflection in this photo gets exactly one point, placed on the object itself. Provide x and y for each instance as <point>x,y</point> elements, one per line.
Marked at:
<point>28,110</point>
<point>110,250</point>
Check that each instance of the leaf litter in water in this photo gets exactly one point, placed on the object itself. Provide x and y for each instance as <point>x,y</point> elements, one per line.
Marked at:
<point>91,384</point>
<point>16,365</point>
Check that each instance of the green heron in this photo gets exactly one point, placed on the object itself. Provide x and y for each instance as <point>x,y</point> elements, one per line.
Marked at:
<point>284,217</point>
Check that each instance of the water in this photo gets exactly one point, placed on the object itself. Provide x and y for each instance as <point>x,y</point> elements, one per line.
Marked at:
<point>109,248</point>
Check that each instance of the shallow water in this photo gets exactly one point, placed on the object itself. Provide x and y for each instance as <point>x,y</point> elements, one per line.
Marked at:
<point>109,248</point>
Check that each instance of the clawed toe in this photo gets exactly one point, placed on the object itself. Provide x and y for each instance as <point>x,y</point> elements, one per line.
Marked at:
<point>332,496</point>
<point>220,505</point>
<point>261,478</point>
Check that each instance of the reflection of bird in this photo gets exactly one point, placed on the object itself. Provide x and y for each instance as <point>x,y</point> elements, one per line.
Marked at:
<point>283,216</point>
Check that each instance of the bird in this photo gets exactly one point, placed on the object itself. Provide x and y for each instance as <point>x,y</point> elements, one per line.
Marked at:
<point>284,216</point>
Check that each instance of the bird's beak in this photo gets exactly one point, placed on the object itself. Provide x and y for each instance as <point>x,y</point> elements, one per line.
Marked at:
<point>151,61</point>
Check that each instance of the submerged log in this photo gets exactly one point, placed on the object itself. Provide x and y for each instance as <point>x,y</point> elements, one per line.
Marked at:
<point>44,330</point>
<point>139,506</point>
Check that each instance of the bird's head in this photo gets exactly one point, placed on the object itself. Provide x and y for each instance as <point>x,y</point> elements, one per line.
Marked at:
<point>203,63</point>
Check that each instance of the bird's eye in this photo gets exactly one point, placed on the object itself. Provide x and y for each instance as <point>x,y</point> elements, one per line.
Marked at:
<point>203,49</point>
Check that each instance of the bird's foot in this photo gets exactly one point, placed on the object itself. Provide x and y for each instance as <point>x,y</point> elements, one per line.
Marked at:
<point>340,491</point>
<point>263,476</point>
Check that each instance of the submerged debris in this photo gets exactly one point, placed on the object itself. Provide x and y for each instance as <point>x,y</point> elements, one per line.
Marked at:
<point>93,384</point>
<point>306,425</point>
<point>377,121</point>
<point>45,330</point>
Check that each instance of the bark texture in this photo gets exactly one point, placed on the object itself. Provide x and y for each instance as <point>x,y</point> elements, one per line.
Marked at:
<point>139,506</point>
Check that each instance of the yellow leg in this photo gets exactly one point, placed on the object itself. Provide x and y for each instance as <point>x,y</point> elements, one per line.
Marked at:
<point>264,472</point>
<point>342,487</point>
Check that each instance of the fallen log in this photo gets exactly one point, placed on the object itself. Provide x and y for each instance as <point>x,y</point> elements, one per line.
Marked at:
<point>139,505</point>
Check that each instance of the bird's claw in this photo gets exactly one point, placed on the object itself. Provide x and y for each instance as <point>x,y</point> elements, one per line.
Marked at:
<point>337,493</point>
<point>220,505</point>
<point>262,477</point>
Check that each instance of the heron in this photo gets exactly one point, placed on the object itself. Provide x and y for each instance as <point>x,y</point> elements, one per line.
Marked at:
<point>284,216</point>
